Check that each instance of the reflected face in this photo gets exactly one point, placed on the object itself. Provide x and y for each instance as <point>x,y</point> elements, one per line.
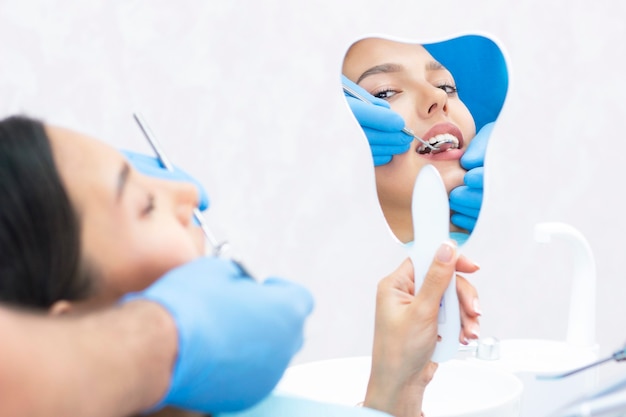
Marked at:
<point>134,228</point>
<point>424,93</point>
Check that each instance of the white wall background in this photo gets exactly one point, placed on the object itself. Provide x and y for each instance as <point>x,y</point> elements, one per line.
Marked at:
<point>246,96</point>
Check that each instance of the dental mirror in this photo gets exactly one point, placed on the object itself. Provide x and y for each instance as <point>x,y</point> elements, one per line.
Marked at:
<point>430,104</point>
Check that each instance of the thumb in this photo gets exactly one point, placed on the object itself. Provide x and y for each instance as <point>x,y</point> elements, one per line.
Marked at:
<point>439,274</point>
<point>474,156</point>
<point>292,294</point>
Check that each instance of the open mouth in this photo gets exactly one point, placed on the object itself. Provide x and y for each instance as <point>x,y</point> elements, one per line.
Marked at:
<point>441,137</point>
<point>439,143</point>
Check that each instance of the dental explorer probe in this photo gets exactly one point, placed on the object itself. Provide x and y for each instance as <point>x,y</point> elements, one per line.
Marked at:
<point>219,249</point>
<point>426,147</point>
<point>618,356</point>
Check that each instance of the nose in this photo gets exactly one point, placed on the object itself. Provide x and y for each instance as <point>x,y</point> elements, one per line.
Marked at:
<point>184,198</point>
<point>432,100</point>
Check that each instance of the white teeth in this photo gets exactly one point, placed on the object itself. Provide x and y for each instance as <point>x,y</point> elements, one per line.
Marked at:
<point>439,143</point>
<point>445,138</point>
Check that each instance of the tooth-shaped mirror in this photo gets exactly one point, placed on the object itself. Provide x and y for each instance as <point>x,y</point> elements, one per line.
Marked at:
<point>427,103</point>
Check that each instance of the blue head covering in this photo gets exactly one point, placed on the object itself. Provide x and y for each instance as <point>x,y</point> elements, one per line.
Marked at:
<point>479,70</point>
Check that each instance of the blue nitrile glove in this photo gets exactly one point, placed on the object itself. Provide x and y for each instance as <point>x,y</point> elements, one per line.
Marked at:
<point>236,336</point>
<point>150,166</point>
<point>466,200</point>
<point>382,126</point>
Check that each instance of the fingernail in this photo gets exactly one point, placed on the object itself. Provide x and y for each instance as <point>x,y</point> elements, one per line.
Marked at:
<point>446,252</point>
<point>476,306</point>
<point>476,332</point>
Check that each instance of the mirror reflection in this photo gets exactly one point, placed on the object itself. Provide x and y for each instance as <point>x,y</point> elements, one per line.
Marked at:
<point>424,104</point>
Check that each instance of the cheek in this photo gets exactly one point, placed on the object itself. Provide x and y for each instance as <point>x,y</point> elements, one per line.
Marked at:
<point>156,255</point>
<point>452,174</point>
<point>141,258</point>
<point>462,117</point>
<point>142,271</point>
<point>395,180</point>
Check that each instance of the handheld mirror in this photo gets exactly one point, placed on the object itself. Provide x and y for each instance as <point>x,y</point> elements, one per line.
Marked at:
<point>437,91</point>
<point>422,95</point>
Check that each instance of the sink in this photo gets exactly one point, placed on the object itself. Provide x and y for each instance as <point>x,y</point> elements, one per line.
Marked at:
<point>459,388</point>
<point>529,358</point>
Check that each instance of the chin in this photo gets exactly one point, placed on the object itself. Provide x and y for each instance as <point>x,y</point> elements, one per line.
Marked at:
<point>452,178</point>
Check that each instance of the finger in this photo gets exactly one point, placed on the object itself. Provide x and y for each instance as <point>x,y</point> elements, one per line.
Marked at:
<point>475,178</point>
<point>467,196</point>
<point>438,276</point>
<point>466,265</point>
<point>464,210</point>
<point>290,294</point>
<point>464,222</point>
<point>401,279</point>
<point>381,160</point>
<point>470,329</point>
<point>468,297</point>
<point>389,149</point>
<point>474,156</point>
<point>361,92</point>
<point>469,309</point>
<point>376,117</point>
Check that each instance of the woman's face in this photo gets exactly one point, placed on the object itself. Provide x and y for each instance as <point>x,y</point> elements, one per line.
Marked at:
<point>423,92</point>
<point>134,228</point>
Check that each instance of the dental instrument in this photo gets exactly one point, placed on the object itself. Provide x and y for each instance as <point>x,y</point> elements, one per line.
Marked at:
<point>618,356</point>
<point>219,249</point>
<point>608,400</point>
<point>426,147</point>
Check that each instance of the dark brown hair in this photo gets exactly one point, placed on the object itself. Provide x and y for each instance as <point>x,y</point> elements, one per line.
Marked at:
<point>40,257</point>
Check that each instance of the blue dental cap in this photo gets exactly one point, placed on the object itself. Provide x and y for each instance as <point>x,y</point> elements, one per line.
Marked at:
<point>479,70</point>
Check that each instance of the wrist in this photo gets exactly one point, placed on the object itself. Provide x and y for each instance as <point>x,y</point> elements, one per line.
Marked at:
<point>396,393</point>
<point>404,402</point>
<point>384,388</point>
<point>153,350</point>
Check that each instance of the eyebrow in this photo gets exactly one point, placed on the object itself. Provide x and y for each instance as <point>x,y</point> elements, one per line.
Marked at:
<point>122,180</point>
<point>391,67</point>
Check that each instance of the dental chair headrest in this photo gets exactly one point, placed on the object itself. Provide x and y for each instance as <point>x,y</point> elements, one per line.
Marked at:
<point>479,70</point>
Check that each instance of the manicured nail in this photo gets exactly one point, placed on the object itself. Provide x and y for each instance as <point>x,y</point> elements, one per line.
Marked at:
<point>446,252</point>
<point>476,332</point>
<point>476,306</point>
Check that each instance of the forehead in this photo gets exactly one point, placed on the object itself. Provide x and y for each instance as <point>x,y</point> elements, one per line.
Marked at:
<point>74,150</point>
<point>375,51</point>
<point>84,164</point>
<point>68,144</point>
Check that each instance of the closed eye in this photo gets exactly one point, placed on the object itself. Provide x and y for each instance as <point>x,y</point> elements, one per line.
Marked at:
<point>149,206</point>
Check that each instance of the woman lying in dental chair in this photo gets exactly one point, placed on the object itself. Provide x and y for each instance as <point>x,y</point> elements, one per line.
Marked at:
<point>81,229</point>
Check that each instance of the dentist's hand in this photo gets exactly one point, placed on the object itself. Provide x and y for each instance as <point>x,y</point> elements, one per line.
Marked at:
<point>236,336</point>
<point>149,165</point>
<point>466,200</point>
<point>382,126</point>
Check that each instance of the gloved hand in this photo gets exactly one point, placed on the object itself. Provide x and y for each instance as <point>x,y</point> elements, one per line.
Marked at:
<point>466,200</point>
<point>149,165</point>
<point>236,336</point>
<point>382,126</point>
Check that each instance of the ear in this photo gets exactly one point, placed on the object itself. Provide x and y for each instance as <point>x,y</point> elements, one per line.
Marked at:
<point>60,307</point>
